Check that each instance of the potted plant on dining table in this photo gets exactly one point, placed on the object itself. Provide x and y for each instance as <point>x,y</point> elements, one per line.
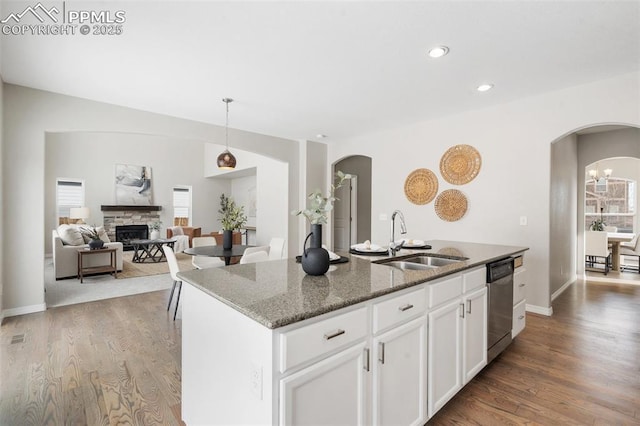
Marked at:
<point>232,218</point>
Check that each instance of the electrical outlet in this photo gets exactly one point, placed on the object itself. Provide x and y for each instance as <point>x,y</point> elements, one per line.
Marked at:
<point>255,380</point>
<point>523,220</point>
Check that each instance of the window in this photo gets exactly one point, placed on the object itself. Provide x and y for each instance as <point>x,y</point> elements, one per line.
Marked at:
<point>69,193</point>
<point>182,205</point>
<point>615,200</point>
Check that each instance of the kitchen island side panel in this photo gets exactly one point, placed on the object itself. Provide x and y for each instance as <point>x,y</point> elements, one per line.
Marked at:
<point>226,364</point>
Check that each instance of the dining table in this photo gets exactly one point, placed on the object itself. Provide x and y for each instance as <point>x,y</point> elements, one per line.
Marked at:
<point>236,250</point>
<point>615,238</point>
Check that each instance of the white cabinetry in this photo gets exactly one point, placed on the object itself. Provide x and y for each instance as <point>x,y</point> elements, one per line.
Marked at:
<point>400,381</point>
<point>393,360</point>
<point>519,294</point>
<point>457,335</point>
<point>332,391</point>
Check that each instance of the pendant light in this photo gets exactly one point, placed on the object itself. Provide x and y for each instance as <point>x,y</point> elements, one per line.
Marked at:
<point>226,160</point>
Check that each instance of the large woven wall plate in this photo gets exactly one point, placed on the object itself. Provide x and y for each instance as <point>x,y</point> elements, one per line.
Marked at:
<point>421,186</point>
<point>451,205</point>
<point>460,164</point>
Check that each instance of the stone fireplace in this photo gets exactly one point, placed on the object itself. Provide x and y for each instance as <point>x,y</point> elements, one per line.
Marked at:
<point>115,216</point>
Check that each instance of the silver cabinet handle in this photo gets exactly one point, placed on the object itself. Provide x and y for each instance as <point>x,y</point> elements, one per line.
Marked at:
<point>336,333</point>
<point>366,359</point>
<point>521,317</point>
<point>381,350</point>
<point>468,306</point>
<point>406,307</point>
<point>462,306</point>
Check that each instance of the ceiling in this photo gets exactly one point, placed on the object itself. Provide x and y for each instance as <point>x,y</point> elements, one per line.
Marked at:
<point>298,69</point>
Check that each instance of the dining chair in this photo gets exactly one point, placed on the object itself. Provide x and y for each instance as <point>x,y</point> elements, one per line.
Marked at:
<point>255,256</point>
<point>595,248</point>
<point>174,268</point>
<point>629,250</point>
<point>203,262</point>
<point>276,248</point>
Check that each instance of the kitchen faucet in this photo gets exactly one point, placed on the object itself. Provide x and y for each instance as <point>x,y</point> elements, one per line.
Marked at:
<point>393,247</point>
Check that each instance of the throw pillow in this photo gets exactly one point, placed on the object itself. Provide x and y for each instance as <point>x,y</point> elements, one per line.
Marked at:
<point>70,235</point>
<point>103,234</point>
<point>177,230</point>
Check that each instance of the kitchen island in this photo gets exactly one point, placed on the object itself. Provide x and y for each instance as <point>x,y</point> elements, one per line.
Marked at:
<point>365,343</point>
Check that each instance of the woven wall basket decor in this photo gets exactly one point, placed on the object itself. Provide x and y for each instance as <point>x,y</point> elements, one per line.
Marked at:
<point>460,164</point>
<point>421,186</point>
<point>451,205</point>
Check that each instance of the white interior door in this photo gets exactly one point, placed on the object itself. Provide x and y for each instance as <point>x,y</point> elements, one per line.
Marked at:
<point>345,216</point>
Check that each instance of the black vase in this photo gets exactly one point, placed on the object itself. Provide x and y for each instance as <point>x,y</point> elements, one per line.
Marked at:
<point>96,244</point>
<point>227,239</point>
<point>315,260</point>
<point>316,236</point>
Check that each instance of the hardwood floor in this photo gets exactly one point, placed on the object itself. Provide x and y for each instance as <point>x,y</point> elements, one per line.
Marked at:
<point>579,367</point>
<point>117,361</point>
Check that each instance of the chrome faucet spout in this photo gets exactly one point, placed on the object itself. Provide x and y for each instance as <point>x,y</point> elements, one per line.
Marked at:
<point>393,247</point>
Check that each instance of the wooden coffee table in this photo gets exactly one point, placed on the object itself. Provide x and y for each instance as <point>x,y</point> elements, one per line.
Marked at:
<point>110,268</point>
<point>147,251</point>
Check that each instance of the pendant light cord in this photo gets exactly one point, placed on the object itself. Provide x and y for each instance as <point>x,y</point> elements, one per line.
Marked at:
<point>226,126</point>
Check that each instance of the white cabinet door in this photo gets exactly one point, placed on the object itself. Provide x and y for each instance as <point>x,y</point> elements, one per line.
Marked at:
<point>399,375</point>
<point>445,352</point>
<point>474,333</point>
<point>330,392</point>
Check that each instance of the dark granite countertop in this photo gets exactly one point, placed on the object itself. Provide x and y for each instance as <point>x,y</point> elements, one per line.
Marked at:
<point>278,293</point>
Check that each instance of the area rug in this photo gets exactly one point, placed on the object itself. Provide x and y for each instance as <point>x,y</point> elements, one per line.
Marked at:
<point>132,270</point>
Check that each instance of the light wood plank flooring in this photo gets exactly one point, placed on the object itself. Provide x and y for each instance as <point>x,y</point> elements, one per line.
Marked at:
<point>117,361</point>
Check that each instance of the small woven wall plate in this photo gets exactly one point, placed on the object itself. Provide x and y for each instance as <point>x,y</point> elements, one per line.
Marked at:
<point>460,164</point>
<point>451,205</point>
<point>421,186</point>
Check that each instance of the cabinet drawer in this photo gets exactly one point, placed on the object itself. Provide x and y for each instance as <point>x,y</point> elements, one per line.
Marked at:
<point>474,279</point>
<point>398,309</point>
<point>519,318</point>
<point>302,344</point>
<point>519,285</point>
<point>442,291</point>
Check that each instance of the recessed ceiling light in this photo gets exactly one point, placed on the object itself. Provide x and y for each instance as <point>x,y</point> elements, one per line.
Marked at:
<point>438,52</point>
<point>484,87</point>
<point>321,136</point>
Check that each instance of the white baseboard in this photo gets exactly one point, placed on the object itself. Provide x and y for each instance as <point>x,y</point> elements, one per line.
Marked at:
<point>539,310</point>
<point>561,290</point>
<point>24,310</point>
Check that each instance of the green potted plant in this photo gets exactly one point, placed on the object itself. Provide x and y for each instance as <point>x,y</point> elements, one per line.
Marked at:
<point>92,233</point>
<point>232,218</point>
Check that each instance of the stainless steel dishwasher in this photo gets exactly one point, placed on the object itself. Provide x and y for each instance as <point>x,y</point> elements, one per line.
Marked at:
<point>500,306</point>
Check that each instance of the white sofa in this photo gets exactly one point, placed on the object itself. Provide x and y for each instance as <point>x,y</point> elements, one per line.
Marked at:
<point>65,257</point>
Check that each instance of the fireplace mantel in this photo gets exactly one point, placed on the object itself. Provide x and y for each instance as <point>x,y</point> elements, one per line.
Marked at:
<point>121,208</point>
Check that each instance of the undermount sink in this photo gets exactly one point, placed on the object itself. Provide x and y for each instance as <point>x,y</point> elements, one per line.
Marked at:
<point>420,262</point>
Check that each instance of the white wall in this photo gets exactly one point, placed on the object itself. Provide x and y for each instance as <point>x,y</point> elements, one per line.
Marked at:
<point>28,115</point>
<point>272,196</point>
<point>93,156</point>
<point>514,142</point>
<point>563,218</point>
<point>241,191</point>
